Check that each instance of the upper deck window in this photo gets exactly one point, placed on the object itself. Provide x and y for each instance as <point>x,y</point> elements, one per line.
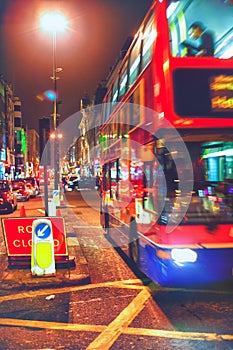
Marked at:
<point>115,91</point>
<point>107,107</point>
<point>123,80</point>
<point>149,36</point>
<point>135,61</point>
<point>211,36</point>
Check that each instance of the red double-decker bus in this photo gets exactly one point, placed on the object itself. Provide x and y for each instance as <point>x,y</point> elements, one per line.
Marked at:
<point>167,145</point>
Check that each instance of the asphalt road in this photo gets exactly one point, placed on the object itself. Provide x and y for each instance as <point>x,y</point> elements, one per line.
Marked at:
<point>119,309</point>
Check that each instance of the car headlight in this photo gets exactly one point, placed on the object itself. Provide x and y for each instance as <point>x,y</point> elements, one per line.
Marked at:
<point>183,255</point>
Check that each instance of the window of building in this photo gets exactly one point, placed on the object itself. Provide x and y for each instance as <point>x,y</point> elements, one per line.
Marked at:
<point>17,108</point>
<point>17,122</point>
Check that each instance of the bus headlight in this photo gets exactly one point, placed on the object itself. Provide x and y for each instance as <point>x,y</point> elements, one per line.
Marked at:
<point>183,255</point>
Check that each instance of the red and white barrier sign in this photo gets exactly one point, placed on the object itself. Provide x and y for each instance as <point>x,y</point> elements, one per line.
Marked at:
<point>18,235</point>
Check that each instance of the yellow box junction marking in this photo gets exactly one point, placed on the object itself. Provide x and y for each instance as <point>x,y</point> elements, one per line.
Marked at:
<point>108,334</point>
<point>114,329</point>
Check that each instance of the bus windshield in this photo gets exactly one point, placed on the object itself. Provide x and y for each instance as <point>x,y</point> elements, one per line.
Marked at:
<point>212,184</point>
<point>196,28</point>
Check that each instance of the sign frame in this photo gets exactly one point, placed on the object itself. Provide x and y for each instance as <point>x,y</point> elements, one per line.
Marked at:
<point>17,233</point>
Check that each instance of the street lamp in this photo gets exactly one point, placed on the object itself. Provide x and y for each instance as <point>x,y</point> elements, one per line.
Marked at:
<point>56,137</point>
<point>54,22</point>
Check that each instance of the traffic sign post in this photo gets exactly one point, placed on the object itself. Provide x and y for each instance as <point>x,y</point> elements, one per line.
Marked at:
<point>42,253</point>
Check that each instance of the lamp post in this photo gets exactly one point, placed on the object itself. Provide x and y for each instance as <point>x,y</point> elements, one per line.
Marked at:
<point>54,22</point>
<point>56,136</point>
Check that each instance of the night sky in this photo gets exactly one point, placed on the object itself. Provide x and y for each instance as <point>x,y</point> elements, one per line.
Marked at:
<point>86,51</point>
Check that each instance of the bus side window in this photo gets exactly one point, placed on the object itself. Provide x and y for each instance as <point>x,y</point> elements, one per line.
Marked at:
<point>118,178</point>
<point>147,185</point>
<point>113,179</point>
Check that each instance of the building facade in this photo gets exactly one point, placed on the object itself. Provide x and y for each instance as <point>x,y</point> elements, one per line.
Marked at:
<point>44,132</point>
<point>33,156</point>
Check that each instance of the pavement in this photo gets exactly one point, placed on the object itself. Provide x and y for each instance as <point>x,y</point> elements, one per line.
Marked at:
<point>20,278</point>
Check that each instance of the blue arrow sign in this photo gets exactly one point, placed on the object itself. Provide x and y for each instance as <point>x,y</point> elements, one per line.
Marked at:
<point>43,230</point>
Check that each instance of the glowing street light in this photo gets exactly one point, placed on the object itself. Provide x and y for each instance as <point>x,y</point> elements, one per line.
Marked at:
<point>56,135</point>
<point>54,22</point>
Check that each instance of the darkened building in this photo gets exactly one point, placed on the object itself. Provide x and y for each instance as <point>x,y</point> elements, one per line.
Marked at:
<point>100,93</point>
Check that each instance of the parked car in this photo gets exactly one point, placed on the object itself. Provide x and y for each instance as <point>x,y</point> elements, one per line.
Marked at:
<point>8,199</point>
<point>21,190</point>
<point>31,190</point>
<point>72,183</point>
<point>34,183</point>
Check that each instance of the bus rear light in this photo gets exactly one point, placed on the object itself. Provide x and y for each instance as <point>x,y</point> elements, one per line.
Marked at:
<point>183,255</point>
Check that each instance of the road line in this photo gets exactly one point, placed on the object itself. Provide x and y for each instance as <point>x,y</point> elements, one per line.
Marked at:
<point>35,293</point>
<point>51,325</point>
<point>155,287</point>
<point>84,226</point>
<point>105,340</point>
<point>132,281</point>
<point>72,241</point>
<point>177,335</point>
<point>129,331</point>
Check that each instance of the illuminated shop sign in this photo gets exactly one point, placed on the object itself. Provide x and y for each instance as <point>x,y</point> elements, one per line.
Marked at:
<point>221,88</point>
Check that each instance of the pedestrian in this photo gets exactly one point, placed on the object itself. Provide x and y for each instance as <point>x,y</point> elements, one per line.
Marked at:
<point>64,182</point>
<point>197,31</point>
<point>97,182</point>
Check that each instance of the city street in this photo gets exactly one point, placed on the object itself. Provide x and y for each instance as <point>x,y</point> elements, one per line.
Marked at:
<point>116,175</point>
<point>119,309</point>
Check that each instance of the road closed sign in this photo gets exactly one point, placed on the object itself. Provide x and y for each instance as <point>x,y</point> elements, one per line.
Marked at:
<point>42,251</point>
<point>18,235</point>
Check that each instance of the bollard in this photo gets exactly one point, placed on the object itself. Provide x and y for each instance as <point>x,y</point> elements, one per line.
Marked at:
<point>42,253</point>
<point>62,202</point>
<point>51,207</point>
<point>22,211</point>
<point>58,212</point>
<point>56,197</point>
